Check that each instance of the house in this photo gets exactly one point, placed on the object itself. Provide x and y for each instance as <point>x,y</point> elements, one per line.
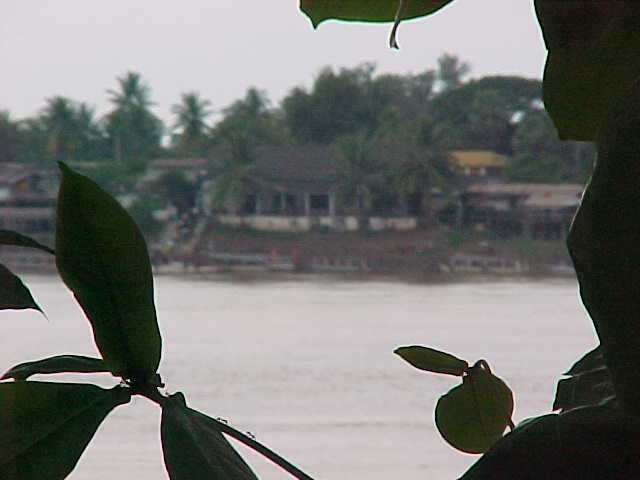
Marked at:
<point>476,166</point>
<point>297,193</point>
<point>27,198</point>
<point>517,209</point>
<point>27,205</point>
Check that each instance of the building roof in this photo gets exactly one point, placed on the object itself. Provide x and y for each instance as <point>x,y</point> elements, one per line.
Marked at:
<point>534,195</point>
<point>178,162</point>
<point>12,173</point>
<point>526,188</point>
<point>296,164</point>
<point>477,158</point>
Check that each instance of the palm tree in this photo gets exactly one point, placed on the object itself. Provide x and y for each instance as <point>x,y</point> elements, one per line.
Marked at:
<point>417,176</point>
<point>360,172</point>
<point>59,120</point>
<point>192,113</point>
<point>134,131</point>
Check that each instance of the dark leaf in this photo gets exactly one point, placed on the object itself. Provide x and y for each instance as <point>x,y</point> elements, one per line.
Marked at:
<point>589,361</point>
<point>57,364</point>
<point>366,10</point>
<point>9,237</point>
<point>595,443</point>
<point>604,243</point>
<point>194,448</point>
<point>14,295</point>
<point>589,383</point>
<point>45,427</point>
<point>473,416</point>
<point>592,61</point>
<point>103,259</point>
<point>432,360</point>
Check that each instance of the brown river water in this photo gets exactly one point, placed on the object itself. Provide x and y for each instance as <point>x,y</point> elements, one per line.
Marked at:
<point>305,364</point>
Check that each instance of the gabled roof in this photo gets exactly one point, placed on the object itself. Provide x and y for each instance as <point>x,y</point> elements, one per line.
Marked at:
<point>477,158</point>
<point>307,163</point>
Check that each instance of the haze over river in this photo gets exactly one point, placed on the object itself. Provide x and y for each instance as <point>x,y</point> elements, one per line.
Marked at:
<point>305,363</point>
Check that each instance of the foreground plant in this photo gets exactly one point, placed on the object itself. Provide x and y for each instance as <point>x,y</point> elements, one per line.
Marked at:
<point>102,257</point>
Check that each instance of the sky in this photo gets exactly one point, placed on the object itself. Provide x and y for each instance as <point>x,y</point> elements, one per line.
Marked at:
<point>77,48</point>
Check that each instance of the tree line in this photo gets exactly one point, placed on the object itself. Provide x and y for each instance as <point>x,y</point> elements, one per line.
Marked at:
<point>398,116</point>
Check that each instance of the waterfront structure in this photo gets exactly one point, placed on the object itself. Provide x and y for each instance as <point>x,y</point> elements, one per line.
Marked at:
<point>531,210</point>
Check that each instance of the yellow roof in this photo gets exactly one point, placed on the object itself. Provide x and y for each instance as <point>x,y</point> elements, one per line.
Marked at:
<point>477,158</point>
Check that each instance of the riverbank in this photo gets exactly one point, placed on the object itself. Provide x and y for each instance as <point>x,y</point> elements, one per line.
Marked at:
<point>424,253</point>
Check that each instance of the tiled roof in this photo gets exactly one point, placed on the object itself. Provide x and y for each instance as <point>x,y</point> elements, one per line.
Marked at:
<point>477,158</point>
<point>296,163</point>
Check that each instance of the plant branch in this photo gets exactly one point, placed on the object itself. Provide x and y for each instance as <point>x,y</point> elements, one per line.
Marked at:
<point>151,392</point>
<point>263,450</point>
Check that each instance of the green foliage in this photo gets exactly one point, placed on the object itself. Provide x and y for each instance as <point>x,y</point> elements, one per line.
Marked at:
<point>584,443</point>
<point>8,237</point>
<point>371,11</point>
<point>14,294</point>
<point>134,131</point>
<point>473,416</point>
<point>588,383</point>
<point>56,364</point>
<point>45,427</point>
<point>142,211</point>
<point>604,245</point>
<point>112,281</point>
<point>431,360</point>
<point>592,61</point>
<point>192,114</point>
<point>193,446</point>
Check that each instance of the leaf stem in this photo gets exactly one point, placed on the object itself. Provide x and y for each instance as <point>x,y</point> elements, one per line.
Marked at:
<point>263,450</point>
<point>152,393</point>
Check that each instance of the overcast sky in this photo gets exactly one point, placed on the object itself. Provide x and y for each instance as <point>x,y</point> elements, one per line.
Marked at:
<point>76,48</point>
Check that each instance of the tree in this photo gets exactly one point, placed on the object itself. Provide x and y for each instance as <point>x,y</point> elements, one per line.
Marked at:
<point>338,103</point>
<point>451,71</point>
<point>9,137</point>
<point>134,131</point>
<point>192,113</point>
<point>360,178</point>
<point>178,190</point>
<point>483,114</point>
<point>59,120</point>
<point>541,157</point>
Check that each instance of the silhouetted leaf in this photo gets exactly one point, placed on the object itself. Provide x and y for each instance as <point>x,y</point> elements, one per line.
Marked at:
<point>589,361</point>
<point>472,416</point>
<point>9,237</point>
<point>592,61</point>
<point>589,383</point>
<point>595,443</point>
<point>194,448</point>
<point>366,10</point>
<point>56,364</point>
<point>604,243</point>
<point>103,259</point>
<point>14,295</point>
<point>45,427</point>
<point>432,360</point>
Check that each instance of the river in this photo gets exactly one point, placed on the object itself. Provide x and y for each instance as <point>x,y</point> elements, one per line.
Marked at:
<point>305,363</point>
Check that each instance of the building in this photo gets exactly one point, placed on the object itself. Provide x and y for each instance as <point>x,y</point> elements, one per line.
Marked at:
<point>296,192</point>
<point>534,210</point>
<point>27,205</point>
<point>479,166</point>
